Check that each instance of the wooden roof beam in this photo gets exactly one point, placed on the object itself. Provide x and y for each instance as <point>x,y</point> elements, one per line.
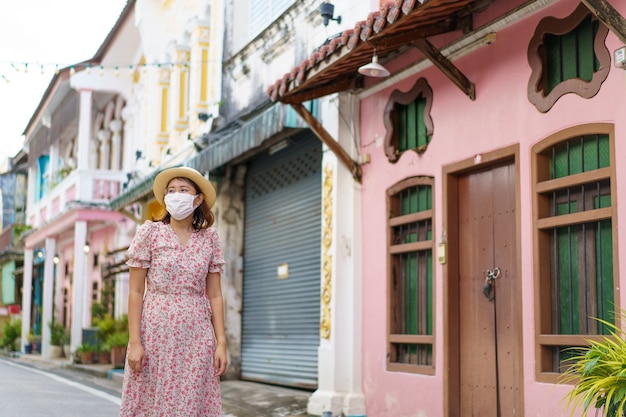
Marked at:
<point>447,67</point>
<point>609,16</point>
<point>325,137</point>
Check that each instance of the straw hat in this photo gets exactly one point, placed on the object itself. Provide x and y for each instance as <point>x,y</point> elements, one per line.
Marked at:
<point>164,177</point>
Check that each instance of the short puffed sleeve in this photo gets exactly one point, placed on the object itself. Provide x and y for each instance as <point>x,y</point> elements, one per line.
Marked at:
<point>139,252</point>
<point>216,264</point>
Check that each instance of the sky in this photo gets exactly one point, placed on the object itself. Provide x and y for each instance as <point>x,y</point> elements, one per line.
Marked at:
<point>43,33</point>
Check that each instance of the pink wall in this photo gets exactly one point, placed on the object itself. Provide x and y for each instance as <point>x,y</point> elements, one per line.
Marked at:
<point>500,116</point>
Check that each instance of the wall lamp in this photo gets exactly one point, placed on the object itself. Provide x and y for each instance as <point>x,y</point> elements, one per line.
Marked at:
<point>327,10</point>
<point>86,248</point>
<point>55,259</point>
<point>374,69</point>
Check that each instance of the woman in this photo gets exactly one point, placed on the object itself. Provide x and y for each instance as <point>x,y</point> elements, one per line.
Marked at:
<point>177,348</point>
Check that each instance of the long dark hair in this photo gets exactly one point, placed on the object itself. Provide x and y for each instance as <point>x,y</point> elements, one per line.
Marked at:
<point>203,217</point>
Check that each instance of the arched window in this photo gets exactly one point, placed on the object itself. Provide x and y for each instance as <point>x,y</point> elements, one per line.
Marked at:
<point>575,248</point>
<point>410,276</point>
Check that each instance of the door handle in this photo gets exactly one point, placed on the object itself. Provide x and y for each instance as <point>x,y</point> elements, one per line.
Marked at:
<point>491,275</point>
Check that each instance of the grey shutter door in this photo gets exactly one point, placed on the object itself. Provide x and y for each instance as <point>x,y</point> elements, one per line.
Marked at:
<point>281,316</point>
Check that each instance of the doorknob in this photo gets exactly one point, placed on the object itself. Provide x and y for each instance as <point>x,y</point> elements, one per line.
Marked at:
<point>492,274</point>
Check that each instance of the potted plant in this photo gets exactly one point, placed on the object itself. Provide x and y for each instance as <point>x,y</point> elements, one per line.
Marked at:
<point>86,353</point>
<point>118,342</point>
<point>103,352</point>
<point>56,339</point>
<point>31,345</point>
<point>598,374</point>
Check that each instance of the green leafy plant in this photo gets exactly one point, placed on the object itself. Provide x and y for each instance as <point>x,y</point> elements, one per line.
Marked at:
<point>598,374</point>
<point>117,339</point>
<point>10,333</point>
<point>57,332</point>
<point>67,337</point>
<point>85,348</point>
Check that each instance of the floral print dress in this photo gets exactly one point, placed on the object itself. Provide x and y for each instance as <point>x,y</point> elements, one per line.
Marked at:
<point>178,378</point>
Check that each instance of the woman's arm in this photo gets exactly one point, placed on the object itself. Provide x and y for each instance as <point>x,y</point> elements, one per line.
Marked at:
<point>214,293</point>
<point>135,305</point>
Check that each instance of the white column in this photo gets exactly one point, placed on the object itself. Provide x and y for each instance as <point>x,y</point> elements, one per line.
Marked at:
<point>87,289</point>
<point>84,191</point>
<point>48,294</point>
<point>339,353</point>
<point>116,155</point>
<point>78,287</point>
<point>27,295</point>
<point>30,197</point>
<point>57,312</point>
<point>104,136</point>
<point>121,295</point>
<point>84,130</point>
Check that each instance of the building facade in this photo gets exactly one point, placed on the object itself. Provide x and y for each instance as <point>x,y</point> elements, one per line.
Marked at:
<point>490,188</point>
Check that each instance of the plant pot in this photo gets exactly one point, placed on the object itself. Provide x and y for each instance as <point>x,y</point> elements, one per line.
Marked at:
<point>86,357</point>
<point>118,356</point>
<point>67,350</point>
<point>28,348</point>
<point>56,351</point>
<point>104,357</point>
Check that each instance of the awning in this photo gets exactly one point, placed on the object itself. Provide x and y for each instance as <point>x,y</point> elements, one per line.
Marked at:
<point>398,24</point>
<point>221,149</point>
<point>275,120</point>
<point>134,193</point>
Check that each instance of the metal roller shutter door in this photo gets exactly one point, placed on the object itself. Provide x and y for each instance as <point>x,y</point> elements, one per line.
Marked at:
<point>281,317</point>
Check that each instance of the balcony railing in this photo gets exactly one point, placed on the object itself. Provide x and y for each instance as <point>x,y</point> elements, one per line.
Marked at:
<point>91,187</point>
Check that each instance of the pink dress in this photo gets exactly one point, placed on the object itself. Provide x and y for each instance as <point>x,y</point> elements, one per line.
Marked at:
<point>176,330</point>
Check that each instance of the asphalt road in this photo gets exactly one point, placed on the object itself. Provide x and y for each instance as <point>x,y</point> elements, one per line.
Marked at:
<point>29,392</point>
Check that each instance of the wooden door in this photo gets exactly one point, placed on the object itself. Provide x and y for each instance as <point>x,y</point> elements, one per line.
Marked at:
<point>489,324</point>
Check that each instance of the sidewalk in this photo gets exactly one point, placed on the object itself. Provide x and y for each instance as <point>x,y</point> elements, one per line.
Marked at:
<point>239,398</point>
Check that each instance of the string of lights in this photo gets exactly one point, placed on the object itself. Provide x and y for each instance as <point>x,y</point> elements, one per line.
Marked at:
<point>8,68</point>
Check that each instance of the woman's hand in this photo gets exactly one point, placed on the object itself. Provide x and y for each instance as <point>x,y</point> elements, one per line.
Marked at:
<point>220,360</point>
<point>136,357</point>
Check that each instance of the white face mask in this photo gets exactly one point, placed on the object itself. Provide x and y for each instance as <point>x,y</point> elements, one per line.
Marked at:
<point>179,205</point>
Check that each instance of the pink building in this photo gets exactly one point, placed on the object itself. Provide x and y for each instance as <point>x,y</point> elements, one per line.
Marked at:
<point>490,179</point>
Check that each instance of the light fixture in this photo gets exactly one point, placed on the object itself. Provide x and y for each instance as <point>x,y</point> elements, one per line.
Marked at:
<point>55,259</point>
<point>86,248</point>
<point>327,10</point>
<point>374,69</point>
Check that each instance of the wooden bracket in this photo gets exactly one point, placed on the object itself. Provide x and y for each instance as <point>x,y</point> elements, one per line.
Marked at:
<point>326,138</point>
<point>609,16</point>
<point>447,67</point>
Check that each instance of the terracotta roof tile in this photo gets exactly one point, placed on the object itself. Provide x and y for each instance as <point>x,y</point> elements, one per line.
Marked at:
<point>393,17</point>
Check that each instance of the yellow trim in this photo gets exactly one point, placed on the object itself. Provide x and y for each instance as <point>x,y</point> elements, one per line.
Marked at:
<point>164,100</point>
<point>204,76</point>
<point>327,257</point>
<point>183,96</point>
